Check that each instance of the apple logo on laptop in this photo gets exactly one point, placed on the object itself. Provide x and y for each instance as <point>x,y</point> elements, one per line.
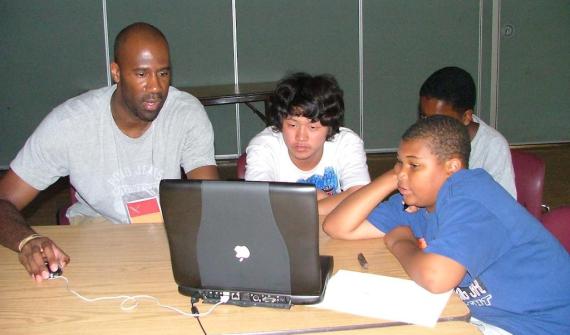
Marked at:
<point>242,252</point>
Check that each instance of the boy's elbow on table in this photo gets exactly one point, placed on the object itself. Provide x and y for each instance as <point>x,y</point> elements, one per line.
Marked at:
<point>329,230</point>
<point>435,280</point>
<point>436,288</point>
<point>335,230</point>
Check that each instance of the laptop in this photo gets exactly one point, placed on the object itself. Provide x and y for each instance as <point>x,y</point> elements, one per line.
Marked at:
<point>254,243</point>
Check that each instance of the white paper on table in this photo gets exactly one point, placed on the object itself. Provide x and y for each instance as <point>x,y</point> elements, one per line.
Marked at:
<point>383,297</point>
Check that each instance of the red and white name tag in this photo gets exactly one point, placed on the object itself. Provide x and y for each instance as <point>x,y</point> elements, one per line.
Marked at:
<point>144,211</point>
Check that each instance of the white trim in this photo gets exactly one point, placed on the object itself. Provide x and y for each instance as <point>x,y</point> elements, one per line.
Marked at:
<point>480,60</point>
<point>381,151</point>
<point>236,74</point>
<point>106,36</point>
<point>540,142</point>
<point>361,67</point>
<point>226,156</point>
<point>495,58</point>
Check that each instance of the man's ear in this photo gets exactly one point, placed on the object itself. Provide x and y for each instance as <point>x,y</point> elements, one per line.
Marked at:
<point>467,117</point>
<point>453,165</point>
<point>115,72</point>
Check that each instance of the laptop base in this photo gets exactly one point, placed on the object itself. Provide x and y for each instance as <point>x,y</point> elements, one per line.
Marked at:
<point>247,299</point>
<point>260,299</point>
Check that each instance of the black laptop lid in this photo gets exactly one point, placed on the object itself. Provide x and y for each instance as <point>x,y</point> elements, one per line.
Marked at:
<point>236,235</point>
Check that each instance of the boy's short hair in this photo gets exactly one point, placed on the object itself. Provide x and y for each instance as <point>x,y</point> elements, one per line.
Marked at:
<point>452,85</point>
<point>317,98</point>
<point>447,137</point>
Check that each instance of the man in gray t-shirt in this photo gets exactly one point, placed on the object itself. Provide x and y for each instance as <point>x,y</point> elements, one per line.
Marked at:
<point>115,144</point>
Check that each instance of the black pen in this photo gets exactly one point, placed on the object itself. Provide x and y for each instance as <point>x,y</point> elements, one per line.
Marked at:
<point>362,261</point>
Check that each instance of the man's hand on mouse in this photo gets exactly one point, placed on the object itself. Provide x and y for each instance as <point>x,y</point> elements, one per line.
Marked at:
<point>40,256</point>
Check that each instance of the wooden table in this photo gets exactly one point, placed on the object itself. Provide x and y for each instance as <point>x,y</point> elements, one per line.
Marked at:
<point>442,328</point>
<point>233,94</point>
<point>109,260</point>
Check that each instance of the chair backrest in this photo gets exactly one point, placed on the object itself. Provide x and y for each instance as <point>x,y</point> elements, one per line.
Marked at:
<point>240,166</point>
<point>61,212</point>
<point>557,221</point>
<point>529,180</point>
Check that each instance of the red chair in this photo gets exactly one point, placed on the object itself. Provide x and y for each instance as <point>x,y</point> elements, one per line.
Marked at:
<point>557,221</point>
<point>529,180</point>
<point>61,213</point>
<point>240,166</point>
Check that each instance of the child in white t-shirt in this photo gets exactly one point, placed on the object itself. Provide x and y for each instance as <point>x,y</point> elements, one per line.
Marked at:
<point>451,91</point>
<point>306,143</point>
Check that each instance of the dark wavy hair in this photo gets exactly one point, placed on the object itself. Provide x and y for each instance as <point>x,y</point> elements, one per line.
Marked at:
<point>453,85</point>
<point>447,137</point>
<point>317,98</point>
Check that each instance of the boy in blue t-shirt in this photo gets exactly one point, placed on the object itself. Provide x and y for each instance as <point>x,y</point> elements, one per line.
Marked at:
<point>468,234</point>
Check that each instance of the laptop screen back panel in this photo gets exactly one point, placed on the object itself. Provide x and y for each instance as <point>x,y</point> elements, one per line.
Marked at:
<point>239,245</point>
<point>206,220</point>
<point>295,211</point>
<point>181,204</point>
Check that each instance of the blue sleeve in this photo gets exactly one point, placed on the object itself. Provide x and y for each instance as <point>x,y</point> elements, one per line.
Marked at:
<point>470,234</point>
<point>389,214</point>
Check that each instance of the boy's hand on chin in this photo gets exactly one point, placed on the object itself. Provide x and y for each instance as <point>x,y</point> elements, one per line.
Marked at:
<point>412,209</point>
<point>390,179</point>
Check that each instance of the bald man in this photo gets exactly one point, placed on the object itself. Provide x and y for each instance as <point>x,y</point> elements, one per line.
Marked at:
<point>115,143</point>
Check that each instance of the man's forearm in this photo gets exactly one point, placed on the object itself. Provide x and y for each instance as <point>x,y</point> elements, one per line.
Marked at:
<point>13,227</point>
<point>204,172</point>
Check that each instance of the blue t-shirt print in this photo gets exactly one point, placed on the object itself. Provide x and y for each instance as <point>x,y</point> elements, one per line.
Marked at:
<point>327,182</point>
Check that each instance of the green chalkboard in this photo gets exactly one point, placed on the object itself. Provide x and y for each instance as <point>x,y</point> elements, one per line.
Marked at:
<point>534,76</point>
<point>379,50</point>
<point>50,51</point>
<point>404,42</point>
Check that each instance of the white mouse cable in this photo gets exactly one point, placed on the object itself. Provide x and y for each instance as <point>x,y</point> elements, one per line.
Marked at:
<point>134,300</point>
